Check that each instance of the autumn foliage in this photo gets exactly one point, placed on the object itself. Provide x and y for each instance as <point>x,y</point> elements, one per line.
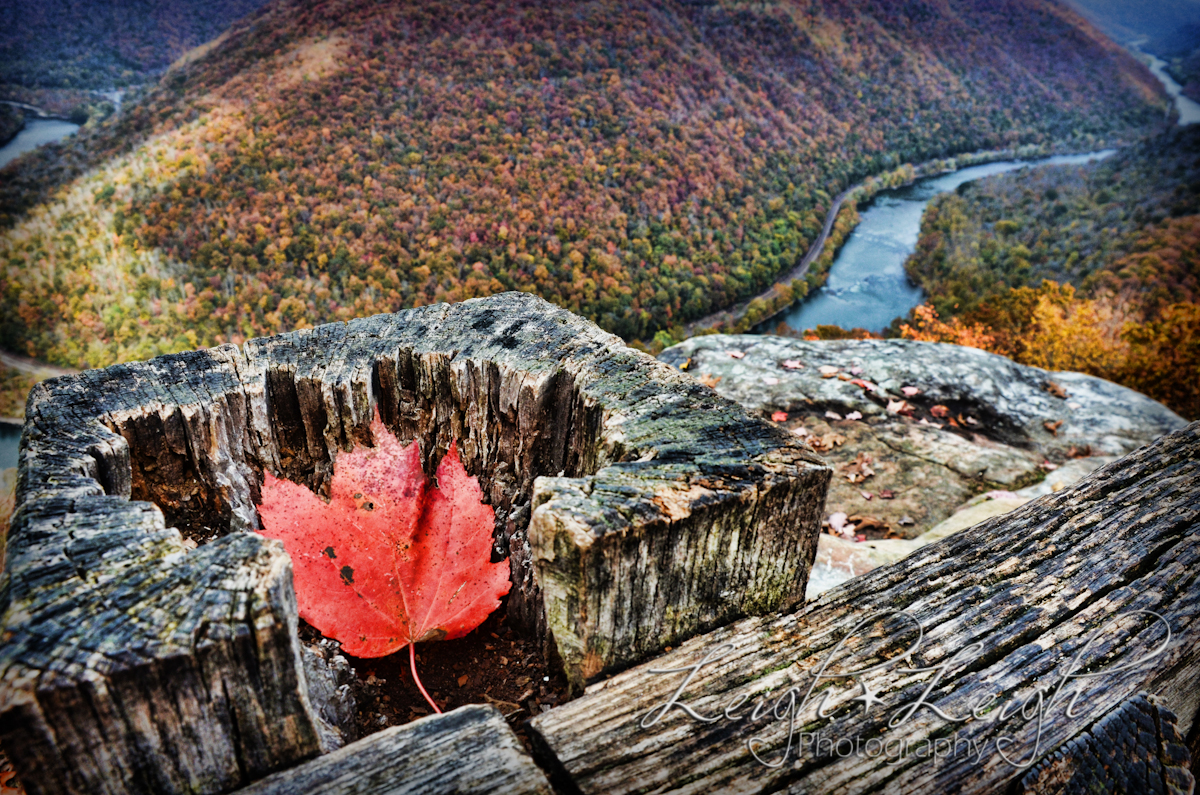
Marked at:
<point>389,561</point>
<point>1053,328</point>
<point>105,43</point>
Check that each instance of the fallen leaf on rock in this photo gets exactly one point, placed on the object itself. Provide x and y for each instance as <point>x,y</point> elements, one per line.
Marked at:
<point>1055,389</point>
<point>737,354</point>
<point>924,421</point>
<point>1074,406</point>
<point>770,380</point>
<point>827,370</point>
<point>859,469</point>
<point>832,440</point>
<point>906,521</point>
<point>867,385</point>
<point>791,364</point>
<point>825,443</point>
<point>837,521</point>
<point>860,538</point>
<point>866,495</point>
<point>968,420</point>
<point>1052,426</point>
<point>866,523</point>
<point>910,391</point>
<point>854,415</point>
<point>1046,465</point>
<point>832,415</point>
<point>887,494</point>
<point>709,380</point>
<point>940,411</point>
<point>686,364</point>
<point>856,371</point>
<point>845,377</point>
<point>779,416</point>
<point>801,431</point>
<point>896,406</point>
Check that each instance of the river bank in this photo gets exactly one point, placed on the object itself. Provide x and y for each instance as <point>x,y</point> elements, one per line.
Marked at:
<point>867,286</point>
<point>12,121</point>
<point>842,216</point>
<point>18,373</point>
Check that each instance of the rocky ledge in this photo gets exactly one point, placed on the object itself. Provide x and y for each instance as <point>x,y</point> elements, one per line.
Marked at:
<point>917,431</point>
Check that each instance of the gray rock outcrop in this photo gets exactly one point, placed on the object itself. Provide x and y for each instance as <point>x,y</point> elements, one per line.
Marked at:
<point>917,429</point>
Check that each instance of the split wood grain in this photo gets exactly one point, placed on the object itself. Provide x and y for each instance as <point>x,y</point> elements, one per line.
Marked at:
<point>1135,748</point>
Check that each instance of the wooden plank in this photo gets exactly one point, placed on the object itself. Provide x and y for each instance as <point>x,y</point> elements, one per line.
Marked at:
<point>1072,593</point>
<point>468,750</point>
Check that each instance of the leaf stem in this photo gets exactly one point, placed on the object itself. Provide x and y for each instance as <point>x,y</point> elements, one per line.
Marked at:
<point>412,661</point>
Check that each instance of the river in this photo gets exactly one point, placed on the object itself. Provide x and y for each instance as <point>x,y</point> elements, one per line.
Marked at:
<point>867,286</point>
<point>1189,109</point>
<point>36,133</point>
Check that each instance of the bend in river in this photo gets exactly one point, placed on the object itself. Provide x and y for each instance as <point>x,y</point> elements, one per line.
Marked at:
<point>867,285</point>
<point>1189,109</point>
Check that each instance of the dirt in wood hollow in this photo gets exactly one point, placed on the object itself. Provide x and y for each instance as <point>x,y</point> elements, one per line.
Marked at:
<point>495,664</point>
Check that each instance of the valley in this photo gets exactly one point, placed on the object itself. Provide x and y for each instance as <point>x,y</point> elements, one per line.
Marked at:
<point>641,166</point>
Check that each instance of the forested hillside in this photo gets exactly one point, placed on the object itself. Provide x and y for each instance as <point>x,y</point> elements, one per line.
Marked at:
<point>1093,268</point>
<point>1169,29</point>
<point>640,163</point>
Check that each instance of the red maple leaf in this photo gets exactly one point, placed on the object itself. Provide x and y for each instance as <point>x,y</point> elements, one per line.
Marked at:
<point>388,561</point>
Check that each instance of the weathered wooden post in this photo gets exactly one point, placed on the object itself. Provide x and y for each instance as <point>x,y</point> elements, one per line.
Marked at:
<point>1052,649</point>
<point>636,506</point>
